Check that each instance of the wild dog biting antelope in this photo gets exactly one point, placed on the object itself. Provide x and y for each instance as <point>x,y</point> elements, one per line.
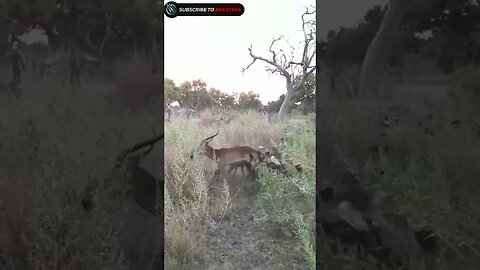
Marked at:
<point>233,157</point>
<point>272,160</point>
<point>275,161</point>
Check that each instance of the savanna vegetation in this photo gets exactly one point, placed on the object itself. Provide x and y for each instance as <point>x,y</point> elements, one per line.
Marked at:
<point>63,205</point>
<point>60,138</point>
<point>226,221</point>
<point>232,222</point>
<point>58,142</point>
<point>416,141</point>
<point>198,96</point>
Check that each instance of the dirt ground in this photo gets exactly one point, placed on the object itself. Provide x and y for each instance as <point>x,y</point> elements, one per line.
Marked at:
<point>242,242</point>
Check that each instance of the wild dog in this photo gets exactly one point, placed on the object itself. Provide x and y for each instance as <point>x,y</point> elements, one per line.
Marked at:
<point>228,156</point>
<point>273,160</point>
<point>241,163</point>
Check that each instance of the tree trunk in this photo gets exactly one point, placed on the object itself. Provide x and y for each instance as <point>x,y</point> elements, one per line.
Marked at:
<point>378,52</point>
<point>286,103</point>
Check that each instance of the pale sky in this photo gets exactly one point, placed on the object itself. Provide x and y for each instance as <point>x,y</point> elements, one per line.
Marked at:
<point>215,49</point>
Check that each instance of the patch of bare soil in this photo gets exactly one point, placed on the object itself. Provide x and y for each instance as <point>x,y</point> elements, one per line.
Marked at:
<point>242,241</point>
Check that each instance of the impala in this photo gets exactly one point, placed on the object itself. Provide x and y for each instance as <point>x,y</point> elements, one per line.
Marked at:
<point>233,157</point>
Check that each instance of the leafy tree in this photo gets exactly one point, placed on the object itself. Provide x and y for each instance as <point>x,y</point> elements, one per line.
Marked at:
<point>337,50</point>
<point>306,97</point>
<point>249,101</point>
<point>455,26</point>
<point>304,100</point>
<point>274,106</point>
<point>222,100</point>
<point>115,27</point>
<point>172,92</point>
<point>194,95</point>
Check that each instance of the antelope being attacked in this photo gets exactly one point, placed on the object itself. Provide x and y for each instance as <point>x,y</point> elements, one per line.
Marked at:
<point>233,157</point>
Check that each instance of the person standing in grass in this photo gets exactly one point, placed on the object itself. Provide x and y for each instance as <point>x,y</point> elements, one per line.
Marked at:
<point>169,112</point>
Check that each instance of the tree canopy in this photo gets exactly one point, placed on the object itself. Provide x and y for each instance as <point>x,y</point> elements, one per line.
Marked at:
<point>194,95</point>
<point>453,25</point>
<point>128,23</point>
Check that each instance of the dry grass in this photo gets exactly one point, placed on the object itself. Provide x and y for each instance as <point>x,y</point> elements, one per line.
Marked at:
<point>54,142</point>
<point>428,167</point>
<point>136,84</point>
<point>203,215</point>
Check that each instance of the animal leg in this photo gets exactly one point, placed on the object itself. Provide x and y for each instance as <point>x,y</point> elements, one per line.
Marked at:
<point>243,168</point>
<point>234,171</point>
<point>217,173</point>
<point>252,175</point>
<point>234,165</point>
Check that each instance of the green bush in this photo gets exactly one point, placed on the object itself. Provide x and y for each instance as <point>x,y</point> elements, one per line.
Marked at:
<point>290,200</point>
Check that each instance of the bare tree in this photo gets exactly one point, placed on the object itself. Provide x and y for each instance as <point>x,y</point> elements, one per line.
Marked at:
<point>378,52</point>
<point>296,73</point>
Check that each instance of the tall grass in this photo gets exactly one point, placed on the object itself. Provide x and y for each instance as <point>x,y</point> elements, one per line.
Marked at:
<point>290,200</point>
<point>432,179</point>
<point>54,143</point>
<point>197,202</point>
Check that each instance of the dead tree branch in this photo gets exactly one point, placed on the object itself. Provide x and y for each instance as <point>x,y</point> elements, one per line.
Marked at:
<point>295,72</point>
<point>279,62</point>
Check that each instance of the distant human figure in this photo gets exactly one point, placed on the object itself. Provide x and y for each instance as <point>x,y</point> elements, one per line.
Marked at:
<point>264,113</point>
<point>17,66</point>
<point>169,112</point>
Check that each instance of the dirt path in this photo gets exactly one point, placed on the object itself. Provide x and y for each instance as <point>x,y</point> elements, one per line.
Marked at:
<point>243,242</point>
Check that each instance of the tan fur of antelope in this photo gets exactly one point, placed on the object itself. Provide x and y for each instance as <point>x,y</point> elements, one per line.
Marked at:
<point>233,157</point>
